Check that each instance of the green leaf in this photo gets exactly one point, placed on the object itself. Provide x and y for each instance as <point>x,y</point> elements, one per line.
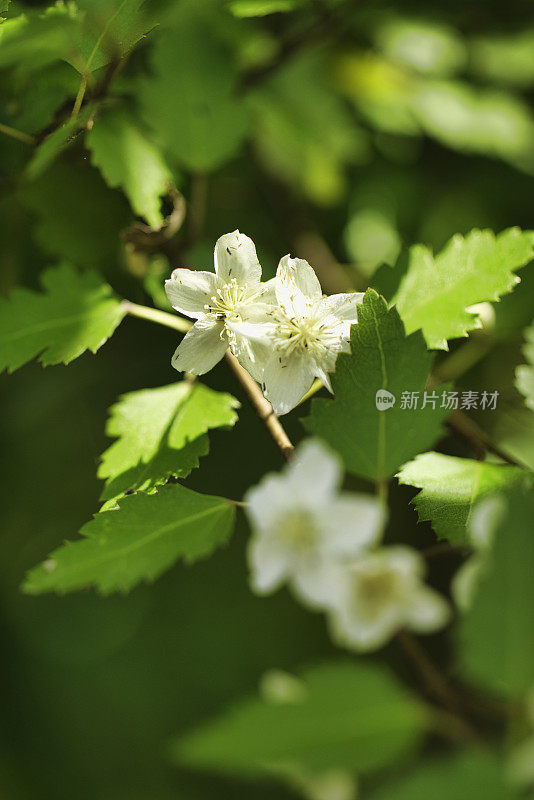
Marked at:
<point>77,312</point>
<point>525,373</point>
<point>261,8</point>
<point>450,488</point>
<point>137,541</point>
<point>107,30</point>
<point>31,41</point>
<point>161,432</point>
<point>497,633</point>
<point>127,158</point>
<point>322,729</point>
<point>55,143</point>
<point>375,443</point>
<point>436,291</point>
<point>78,217</point>
<point>471,776</point>
<point>190,100</point>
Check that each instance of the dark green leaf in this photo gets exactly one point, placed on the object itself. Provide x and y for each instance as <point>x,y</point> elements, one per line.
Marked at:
<point>375,443</point>
<point>525,373</point>
<point>497,633</point>
<point>138,541</point>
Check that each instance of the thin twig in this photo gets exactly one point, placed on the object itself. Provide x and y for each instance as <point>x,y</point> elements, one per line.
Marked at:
<point>18,135</point>
<point>477,437</point>
<point>79,97</point>
<point>436,684</point>
<point>263,408</point>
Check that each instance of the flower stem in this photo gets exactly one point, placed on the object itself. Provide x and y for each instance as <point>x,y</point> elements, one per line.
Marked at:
<point>155,315</point>
<point>79,97</point>
<point>19,135</point>
<point>262,406</point>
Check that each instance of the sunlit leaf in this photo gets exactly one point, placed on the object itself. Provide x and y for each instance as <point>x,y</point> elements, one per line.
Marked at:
<point>451,487</point>
<point>136,542</point>
<point>76,312</point>
<point>374,442</point>
<point>436,291</point>
<point>161,432</point>
<point>127,158</point>
<point>317,731</point>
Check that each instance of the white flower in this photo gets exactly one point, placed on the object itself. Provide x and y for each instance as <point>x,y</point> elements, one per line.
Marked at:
<point>381,593</point>
<point>213,299</point>
<point>482,527</point>
<point>302,527</point>
<point>300,339</point>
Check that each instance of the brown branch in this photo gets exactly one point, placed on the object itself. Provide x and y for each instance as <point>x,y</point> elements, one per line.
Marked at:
<point>263,408</point>
<point>478,439</point>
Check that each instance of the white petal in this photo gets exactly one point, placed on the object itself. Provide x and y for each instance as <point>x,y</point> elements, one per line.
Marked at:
<point>352,522</point>
<point>267,502</point>
<point>268,564</point>
<point>428,611</point>
<point>343,306</point>
<point>202,347</point>
<point>251,340</point>
<point>485,520</point>
<point>189,291</point>
<point>286,381</point>
<point>358,633</point>
<point>404,560</point>
<point>316,582</point>
<point>465,582</point>
<point>269,292</point>
<point>297,286</point>
<point>314,474</point>
<point>323,376</point>
<point>235,257</point>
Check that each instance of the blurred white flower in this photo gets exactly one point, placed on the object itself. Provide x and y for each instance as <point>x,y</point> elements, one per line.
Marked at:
<point>299,339</point>
<point>215,298</point>
<point>303,528</point>
<point>481,531</point>
<point>382,592</point>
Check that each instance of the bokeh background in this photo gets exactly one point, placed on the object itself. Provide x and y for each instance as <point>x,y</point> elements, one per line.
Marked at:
<point>340,132</point>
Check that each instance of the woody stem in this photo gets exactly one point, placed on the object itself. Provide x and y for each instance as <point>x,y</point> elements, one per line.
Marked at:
<point>261,406</point>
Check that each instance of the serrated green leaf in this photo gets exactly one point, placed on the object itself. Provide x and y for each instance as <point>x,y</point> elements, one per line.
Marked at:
<point>318,731</point>
<point>190,100</point>
<point>161,432</point>
<point>375,443</point>
<point>136,542</point>
<point>31,41</point>
<point>525,373</point>
<point>470,776</point>
<point>127,158</point>
<point>76,312</point>
<point>497,633</point>
<point>450,488</point>
<point>436,291</point>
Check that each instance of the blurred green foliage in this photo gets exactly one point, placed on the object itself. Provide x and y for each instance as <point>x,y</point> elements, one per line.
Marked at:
<point>342,132</point>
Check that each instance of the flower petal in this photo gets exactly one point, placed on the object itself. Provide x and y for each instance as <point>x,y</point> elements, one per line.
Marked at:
<point>314,474</point>
<point>251,339</point>
<point>352,522</point>
<point>235,257</point>
<point>316,582</point>
<point>267,502</point>
<point>343,306</point>
<point>202,346</point>
<point>297,286</point>
<point>286,381</point>
<point>428,611</point>
<point>189,291</point>
<point>268,564</point>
